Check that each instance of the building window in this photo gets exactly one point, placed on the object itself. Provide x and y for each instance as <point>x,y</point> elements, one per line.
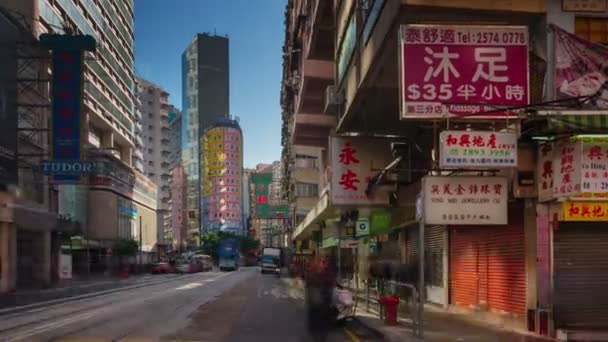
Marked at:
<point>592,28</point>
<point>307,190</point>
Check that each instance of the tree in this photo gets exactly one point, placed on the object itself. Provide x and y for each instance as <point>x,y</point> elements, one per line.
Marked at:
<point>125,247</point>
<point>211,243</point>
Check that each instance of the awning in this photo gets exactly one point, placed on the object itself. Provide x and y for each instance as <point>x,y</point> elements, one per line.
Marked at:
<point>318,213</point>
<point>578,123</point>
<point>558,122</point>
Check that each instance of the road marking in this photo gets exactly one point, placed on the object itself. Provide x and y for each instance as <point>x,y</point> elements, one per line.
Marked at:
<point>351,335</point>
<point>189,286</point>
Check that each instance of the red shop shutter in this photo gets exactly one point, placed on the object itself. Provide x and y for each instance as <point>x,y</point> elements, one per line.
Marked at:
<point>487,266</point>
<point>463,266</point>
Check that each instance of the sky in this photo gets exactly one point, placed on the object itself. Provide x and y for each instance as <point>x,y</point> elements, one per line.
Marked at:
<point>163,29</point>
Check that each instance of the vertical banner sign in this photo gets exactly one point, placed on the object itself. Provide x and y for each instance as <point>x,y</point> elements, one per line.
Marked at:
<point>462,70</point>
<point>567,169</point>
<point>543,256</point>
<point>8,104</point>
<point>67,101</point>
<point>544,171</point>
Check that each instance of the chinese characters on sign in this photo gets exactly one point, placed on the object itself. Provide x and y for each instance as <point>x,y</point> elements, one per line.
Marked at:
<point>460,70</point>
<point>594,173</point>
<point>67,97</point>
<point>544,170</point>
<point>465,200</point>
<point>477,149</point>
<point>353,162</point>
<point>566,169</point>
<point>585,211</point>
<point>584,5</point>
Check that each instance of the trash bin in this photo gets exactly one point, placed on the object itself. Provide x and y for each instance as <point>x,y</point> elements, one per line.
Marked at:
<point>390,304</point>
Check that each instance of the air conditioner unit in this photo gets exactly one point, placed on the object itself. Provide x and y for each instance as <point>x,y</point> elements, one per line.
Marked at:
<point>333,99</point>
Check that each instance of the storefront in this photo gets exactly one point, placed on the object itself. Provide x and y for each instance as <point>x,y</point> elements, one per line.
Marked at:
<point>580,275</point>
<point>487,266</point>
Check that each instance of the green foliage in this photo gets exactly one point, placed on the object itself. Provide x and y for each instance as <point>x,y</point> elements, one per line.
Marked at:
<point>125,247</point>
<point>211,243</point>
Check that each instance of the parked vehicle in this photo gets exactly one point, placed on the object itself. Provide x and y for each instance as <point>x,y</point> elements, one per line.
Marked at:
<point>189,267</point>
<point>271,260</point>
<point>162,268</point>
<point>205,261</point>
<point>229,255</point>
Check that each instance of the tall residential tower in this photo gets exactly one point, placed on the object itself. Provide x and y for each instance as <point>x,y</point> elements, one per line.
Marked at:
<point>205,100</point>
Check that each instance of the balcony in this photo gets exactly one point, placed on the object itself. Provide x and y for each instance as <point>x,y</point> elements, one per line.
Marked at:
<point>311,125</point>
<point>320,30</point>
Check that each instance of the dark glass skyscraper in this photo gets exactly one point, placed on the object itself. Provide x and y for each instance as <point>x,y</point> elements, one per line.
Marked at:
<point>205,100</point>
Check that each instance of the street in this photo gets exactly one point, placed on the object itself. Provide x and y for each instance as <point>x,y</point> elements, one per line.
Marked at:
<point>213,306</point>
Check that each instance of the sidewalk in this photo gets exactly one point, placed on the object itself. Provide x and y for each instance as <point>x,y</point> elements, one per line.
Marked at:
<point>442,326</point>
<point>73,288</point>
<point>439,325</point>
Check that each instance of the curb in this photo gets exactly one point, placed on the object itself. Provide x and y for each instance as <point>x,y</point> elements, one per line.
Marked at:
<point>21,308</point>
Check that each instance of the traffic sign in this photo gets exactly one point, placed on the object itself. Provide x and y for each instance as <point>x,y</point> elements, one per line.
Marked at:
<point>362,227</point>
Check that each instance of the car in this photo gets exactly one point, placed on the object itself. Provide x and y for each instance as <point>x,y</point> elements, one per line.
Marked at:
<point>162,268</point>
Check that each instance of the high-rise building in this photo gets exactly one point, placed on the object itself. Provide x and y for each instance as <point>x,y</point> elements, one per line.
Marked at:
<point>119,198</point>
<point>205,100</point>
<point>222,177</point>
<point>158,153</point>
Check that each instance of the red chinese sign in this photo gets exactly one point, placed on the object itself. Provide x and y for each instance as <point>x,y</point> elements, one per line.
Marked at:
<point>462,70</point>
<point>477,149</point>
<point>580,169</point>
<point>585,211</point>
<point>352,161</point>
<point>566,170</point>
<point>545,172</point>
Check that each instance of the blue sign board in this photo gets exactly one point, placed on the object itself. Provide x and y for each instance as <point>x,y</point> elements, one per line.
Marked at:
<point>67,100</point>
<point>68,167</point>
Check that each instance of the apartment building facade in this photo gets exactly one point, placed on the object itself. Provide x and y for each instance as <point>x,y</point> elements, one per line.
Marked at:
<point>159,143</point>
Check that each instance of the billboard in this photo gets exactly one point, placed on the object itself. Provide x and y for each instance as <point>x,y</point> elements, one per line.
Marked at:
<point>263,209</point>
<point>8,103</point>
<point>67,102</point>
<point>460,70</point>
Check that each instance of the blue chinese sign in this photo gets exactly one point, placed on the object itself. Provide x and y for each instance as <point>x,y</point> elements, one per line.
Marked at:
<point>67,101</point>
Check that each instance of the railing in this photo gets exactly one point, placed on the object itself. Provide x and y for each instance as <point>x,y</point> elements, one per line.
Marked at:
<point>415,305</point>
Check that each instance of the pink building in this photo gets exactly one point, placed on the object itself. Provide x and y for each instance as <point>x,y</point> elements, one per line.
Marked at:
<point>222,180</point>
<point>178,207</point>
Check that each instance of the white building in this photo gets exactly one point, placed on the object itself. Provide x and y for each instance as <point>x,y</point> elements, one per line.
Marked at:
<point>157,150</point>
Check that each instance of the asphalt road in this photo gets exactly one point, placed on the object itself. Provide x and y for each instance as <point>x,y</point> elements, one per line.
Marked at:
<point>213,306</point>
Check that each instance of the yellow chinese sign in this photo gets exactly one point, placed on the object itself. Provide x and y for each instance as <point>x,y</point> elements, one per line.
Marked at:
<point>585,211</point>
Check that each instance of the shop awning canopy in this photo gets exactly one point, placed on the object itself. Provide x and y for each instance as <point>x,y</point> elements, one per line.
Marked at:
<point>568,122</point>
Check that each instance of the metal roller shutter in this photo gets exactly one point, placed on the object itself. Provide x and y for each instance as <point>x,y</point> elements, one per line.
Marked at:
<point>487,266</point>
<point>581,275</point>
<point>434,241</point>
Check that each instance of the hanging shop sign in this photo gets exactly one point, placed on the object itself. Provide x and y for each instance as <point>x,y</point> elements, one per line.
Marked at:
<point>567,169</point>
<point>465,200</point>
<point>544,170</point>
<point>479,149</point>
<point>353,162</point>
<point>585,211</point>
<point>462,70</point>
<point>581,169</point>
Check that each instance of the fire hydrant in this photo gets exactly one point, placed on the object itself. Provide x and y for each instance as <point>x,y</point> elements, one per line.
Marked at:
<point>390,304</point>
